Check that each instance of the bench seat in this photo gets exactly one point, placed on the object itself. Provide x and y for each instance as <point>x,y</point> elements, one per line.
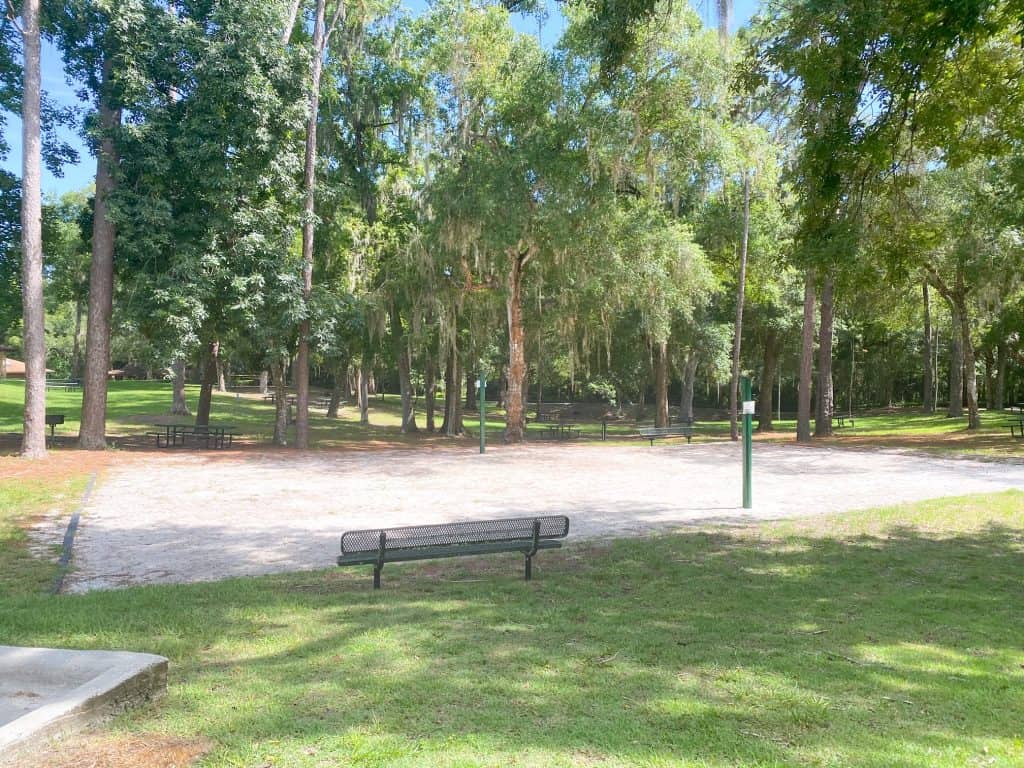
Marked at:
<point>526,535</point>
<point>656,433</point>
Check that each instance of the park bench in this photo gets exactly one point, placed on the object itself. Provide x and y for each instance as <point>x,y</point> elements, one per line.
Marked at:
<point>1017,427</point>
<point>52,420</point>
<point>377,546</point>
<point>676,430</point>
<point>839,422</point>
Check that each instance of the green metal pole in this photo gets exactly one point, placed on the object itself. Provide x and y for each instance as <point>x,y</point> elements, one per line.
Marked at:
<point>483,411</point>
<point>748,439</point>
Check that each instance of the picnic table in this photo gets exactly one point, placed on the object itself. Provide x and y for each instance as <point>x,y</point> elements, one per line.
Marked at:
<point>842,421</point>
<point>68,385</point>
<point>209,436</point>
<point>557,429</point>
<point>272,398</point>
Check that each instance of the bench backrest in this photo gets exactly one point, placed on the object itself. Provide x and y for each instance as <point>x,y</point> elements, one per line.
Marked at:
<point>666,430</point>
<point>54,418</point>
<point>453,534</point>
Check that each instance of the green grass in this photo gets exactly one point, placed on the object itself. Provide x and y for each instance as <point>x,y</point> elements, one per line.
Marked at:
<point>134,406</point>
<point>22,500</point>
<point>882,638</point>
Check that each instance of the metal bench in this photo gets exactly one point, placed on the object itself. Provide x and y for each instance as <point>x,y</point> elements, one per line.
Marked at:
<point>377,546</point>
<point>656,433</point>
<point>1016,427</point>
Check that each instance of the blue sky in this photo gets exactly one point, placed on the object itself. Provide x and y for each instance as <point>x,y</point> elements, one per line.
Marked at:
<point>81,175</point>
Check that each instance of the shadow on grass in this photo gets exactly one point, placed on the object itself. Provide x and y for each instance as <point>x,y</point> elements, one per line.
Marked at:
<point>693,648</point>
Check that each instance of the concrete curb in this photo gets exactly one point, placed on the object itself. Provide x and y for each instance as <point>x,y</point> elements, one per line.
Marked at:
<point>46,692</point>
<point>69,538</point>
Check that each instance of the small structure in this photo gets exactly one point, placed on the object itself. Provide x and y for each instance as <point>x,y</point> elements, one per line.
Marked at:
<point>13,369</point>
<point>4,351</point>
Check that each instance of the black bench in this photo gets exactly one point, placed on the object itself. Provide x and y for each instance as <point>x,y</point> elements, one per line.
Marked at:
<point>839,422</point>
<point>656,433</point>
<point>53,419</point>
<point>377,546</point>
<point>1016,427</point>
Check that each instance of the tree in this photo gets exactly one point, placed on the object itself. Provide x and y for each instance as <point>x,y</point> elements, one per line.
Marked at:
<point>33,444</point>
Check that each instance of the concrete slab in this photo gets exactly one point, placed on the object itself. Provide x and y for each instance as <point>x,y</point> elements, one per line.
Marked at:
<point>45,692</point>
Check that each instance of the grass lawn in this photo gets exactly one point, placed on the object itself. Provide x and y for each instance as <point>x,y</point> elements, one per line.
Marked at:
<point>134,406</point>
<point>23,500</point>
<point>884,638</point>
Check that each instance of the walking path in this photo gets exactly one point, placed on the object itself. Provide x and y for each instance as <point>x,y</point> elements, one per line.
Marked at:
<point>195,517</point>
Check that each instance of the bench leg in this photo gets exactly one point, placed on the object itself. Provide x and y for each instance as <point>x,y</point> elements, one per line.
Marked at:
<point>688,439</point>
<point>529,568</point>
<point>376,577</point>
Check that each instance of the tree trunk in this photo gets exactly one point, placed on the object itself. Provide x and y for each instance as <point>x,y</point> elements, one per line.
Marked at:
<point>452,425</point>
<point>364,393</point>
<point>803,414</point>
<point>661,385</point>
<point>989,357</point>
<point>956,367</point>
<point>221,381</point>
<point>970,371</point>
<point>826,393</point>
<point>179,404</point>
<point>540,383</point>
<point>503,389</point>
<point>206,389</point>
<point>929,373</point>
<point>337,380</point>
<point>264,377</point>
<point>470,385</point>
<point>92,431</point>
<point>689,379</point>
<point>769,371</point>
<point>33,445</point>
<point>405,388</point>
<point>430,392</point>
<point>350,385</point>
<point>741,297</point>
<point>999,395</point>
<point>281,405</point>
<point>309,212</point>
<point>76,347</point>
<point>515,411</point>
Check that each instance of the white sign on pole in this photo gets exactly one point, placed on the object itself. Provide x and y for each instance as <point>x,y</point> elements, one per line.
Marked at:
<point>748,407</point>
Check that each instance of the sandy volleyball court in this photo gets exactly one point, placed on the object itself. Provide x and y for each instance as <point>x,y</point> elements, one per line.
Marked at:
<point>190,517</point>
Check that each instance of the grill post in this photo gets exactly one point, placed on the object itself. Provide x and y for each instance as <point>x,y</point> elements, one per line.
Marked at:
<point>380,560</point>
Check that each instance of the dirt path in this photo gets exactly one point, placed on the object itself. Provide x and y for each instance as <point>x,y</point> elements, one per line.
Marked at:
<point>193,517</point>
